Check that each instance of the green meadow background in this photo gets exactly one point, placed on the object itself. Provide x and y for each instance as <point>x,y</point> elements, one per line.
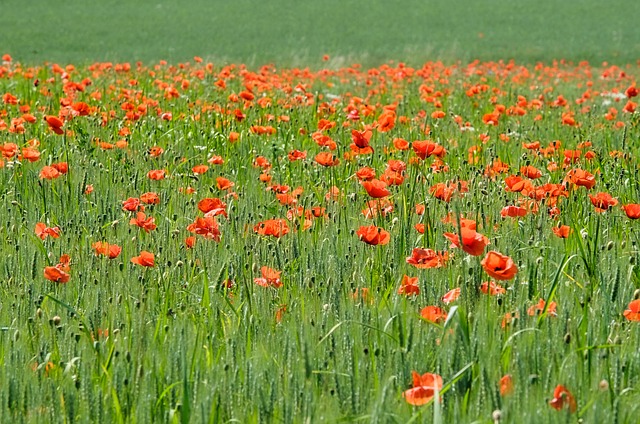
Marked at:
<point>295,33</point>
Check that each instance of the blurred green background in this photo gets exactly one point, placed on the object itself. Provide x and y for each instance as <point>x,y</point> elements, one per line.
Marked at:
<point>294,33</point>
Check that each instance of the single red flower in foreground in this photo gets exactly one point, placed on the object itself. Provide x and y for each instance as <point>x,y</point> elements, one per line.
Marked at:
<point>145,259</point>
<point>425,387</point>
<point>562,231</point>
<point>499,266</point>
<point>373,235</point>
<point>562,398</point>
<point>632,313</point>
<point>376,188</point>
<point>207,227</point>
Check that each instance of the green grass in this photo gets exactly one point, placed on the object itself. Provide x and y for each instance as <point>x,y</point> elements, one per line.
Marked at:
<point>291,33</point>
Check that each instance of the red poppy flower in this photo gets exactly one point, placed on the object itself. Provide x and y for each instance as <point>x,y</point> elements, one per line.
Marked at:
<point>562,231</point>
<point>373,235</point>
<point>506,385</point>
<point>55,274</point>
<point>531,172</point>
<point>376,188</point>
<point>603,201</point>
<point>147,259</point>
<point>581,178</point>
<point>212,206</point>
<point>200,169</point>
<point>112,251</point>
<point>451,296</point>
<point>425,387</point>
<point>207,227</point>
<point>326,159</point>
<point>270,278</point>
<point>433,314</point>
<point>361,138</point>
<point>409,286</point>
<point>562,398</point>
<point>296,155</point>
<point>55,124</point>
<point>513,211</point>
<point>472,242</point>
<point>492,288</point>
<point>150,198</point>
<point>49,173</point>
<point>632,313</point>
<point>538,308</point>
<point>427,258</point>
<point>499,266</point>
<point>223,183</point>
<point>156,174</point>
<point>366,174</point>
<point>141,220</point>
<point>632,210</point>
<point>426,148</point>
<point>272,227</point>
<point>43,231</point>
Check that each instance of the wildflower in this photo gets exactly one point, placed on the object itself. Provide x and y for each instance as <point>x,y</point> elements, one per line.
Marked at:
<point>146,259</point>
<point>472,242</point>
<point>499,266</point>
<point>427,258</point>
<point>562,231</point>
<point>376,188</point>
<point>150,198</point>
<point>506,385</point>
<point>272,227</point>
<point>451,296</point>
<point>632,313</point>
<point>373,235</point>
<point>562,398</point>
<point>212,206</point>
<point>632,210</point>
<point>409,286</point>
<point>156,174</point>
<point>492,288</point>
<point>433,314</point>
<point>270,278</point>
<point>207,227</point>
<point>141,220</point>
<point>43,231</point>
<point>513,211</point>
<point>112,251</point>
<point>425,387</point>
<point>131,204</point>
<point>603,201</point>
<point>55,124</point>
<point>538,308</point>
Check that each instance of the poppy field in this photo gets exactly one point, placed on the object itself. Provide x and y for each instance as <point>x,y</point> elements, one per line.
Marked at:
<point>195,242</point>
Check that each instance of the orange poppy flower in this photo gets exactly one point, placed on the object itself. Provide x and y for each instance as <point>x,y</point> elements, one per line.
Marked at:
<point>365,174</point>
<point>55,124</point>
<point>378,207</point>
<point>581,178</point>
<point>506,385</point>
<point>499,266</point>
<point>632,313</point>
<point>472,242</point>
<point>451,296</point>
<point>632,210</point>
<point>531,172</point>
<point>223,183</point>
<point>376,188</point>
<point>147,259</point>
<point>156,151</point>
<point>386,121</point>
<point>207,227</point>
<point>513,211</point>
<point>426,148</point>
<point>156,174</point>
<point>538,308</point>
<point>400,144</point>
<point>112,251</point>
<point>216,160</point>
<point>433,314</point>
<point>409,286</point>
<point>43,231</point>
<point>427,258</point>
<point>492,288</point>
<point>373,235</point>
<point>55,274</point>
<point>31,154</point>
<point>603,201</point>
<point>141,220</point>
<point>361,138</point>
<point>425,387</point>
<point>326,159</point>
<point>441,191</point>
<point>562,231</point>
<point>49,173</point>
<point>272,227</point>
<point>150,198</point>
<point>212,206</point>
<point>131,204</point>
<point>562,398</point>
<point>200,169</point>
<point>270,278</point>
<point>296,155</point>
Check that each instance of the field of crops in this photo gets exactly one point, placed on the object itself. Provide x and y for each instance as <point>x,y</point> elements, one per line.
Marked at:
<point>192,242</point>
